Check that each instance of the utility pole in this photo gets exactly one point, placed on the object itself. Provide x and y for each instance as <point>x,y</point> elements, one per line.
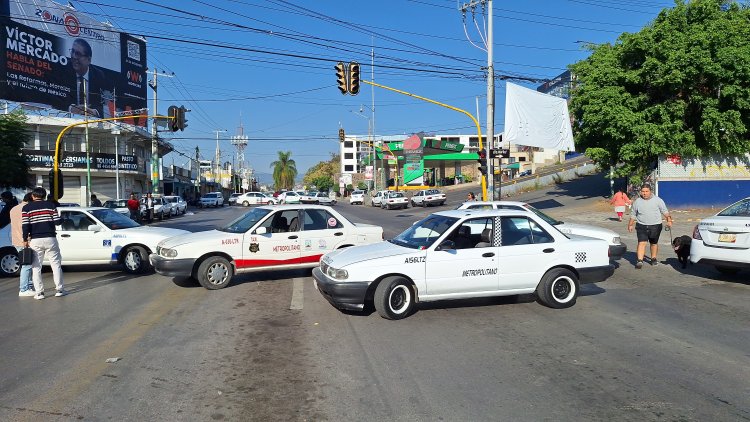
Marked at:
<point>154,137</point>
<point>372,122</point>
<point>490,104</point>
<point>217,172</point>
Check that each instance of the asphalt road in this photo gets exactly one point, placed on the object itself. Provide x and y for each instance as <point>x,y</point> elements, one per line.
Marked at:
<point>652,344</point>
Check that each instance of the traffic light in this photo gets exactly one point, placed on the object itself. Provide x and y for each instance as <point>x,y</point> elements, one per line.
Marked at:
<point>353,78</point>
<point>482,161</point>
<point>341,77</point>
<point>56,184</point>
<point>173,113</point>
<point>342,135</point>
<point>181,120</point>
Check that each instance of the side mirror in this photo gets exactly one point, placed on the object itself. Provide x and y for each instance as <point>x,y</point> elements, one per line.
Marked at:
<point>261,230</point>
<point>446,246</point>
<point>95,228</point>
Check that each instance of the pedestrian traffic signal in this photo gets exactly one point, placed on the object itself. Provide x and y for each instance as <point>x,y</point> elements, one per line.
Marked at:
<point>342,135</point>
<point>354,78</point>
<point>181,120</point>
<point>56,184</point>
<point>482,161</point>
<point>341,77</point>
<point>173,113</point>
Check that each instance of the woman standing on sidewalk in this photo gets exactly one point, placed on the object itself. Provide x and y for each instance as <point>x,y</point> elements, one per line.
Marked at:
<point>620,200</point>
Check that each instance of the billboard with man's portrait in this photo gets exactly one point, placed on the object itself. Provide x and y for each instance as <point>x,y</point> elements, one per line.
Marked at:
<point>57,57</point>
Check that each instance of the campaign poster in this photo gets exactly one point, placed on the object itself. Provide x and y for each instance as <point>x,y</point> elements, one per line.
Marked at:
<point>55,56</point>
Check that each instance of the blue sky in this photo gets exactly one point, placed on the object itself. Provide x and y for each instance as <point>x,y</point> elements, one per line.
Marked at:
<point>269,64</point>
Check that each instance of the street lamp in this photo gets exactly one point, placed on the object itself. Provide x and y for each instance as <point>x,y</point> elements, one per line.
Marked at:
<point>373,155</point>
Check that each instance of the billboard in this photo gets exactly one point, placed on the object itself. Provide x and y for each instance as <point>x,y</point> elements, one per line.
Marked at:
<point>57,57</point>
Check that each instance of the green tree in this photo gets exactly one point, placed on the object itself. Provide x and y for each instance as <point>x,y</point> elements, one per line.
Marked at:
<point>284,171</point>
<point>14,172</point>
<point>679,86</point>
<point>321,174</point>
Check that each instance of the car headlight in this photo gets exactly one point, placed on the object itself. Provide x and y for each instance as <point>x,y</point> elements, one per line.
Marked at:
<point>616,240</point>
<point>167,253</point>
<point>336,273</point>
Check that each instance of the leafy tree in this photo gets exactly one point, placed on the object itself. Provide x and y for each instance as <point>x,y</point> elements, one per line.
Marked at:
<point>284,171</point>
<point>14,170</point>
<point>323,183</point>
<point>679,86</point>
<point>321,174</point>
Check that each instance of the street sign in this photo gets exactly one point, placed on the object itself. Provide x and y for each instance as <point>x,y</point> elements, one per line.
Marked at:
<point>500,153</point>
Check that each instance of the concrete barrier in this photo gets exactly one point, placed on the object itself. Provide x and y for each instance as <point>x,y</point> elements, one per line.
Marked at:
<point>534,182</point>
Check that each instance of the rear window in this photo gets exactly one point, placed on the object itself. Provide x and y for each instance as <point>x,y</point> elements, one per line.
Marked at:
<point>738,209</point>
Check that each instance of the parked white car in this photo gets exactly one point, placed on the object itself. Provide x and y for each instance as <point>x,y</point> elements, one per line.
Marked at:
<point>616,248</point>
<point>393,200</point>
<point>325,198</point>
<point>265,238</point>
<point>377,198</point>
<point>461,254</point>
<point>233,199</point>
<point>289,197</point>
<point>212,199</point>
<point>357,197</point>
<point>119,205</point>
<point>723,240</point>
<point>256,198</point>
<point>308,197</point>
<point>179,206</point>
<point>89,235</point>
<point>162,209</point>
<point>426,197</point>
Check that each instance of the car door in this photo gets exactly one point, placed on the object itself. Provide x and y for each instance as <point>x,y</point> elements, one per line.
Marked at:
<point>526,252</point>
<point>278,246</point>
<point>77,243</point>
<point>321,232</point>
<point>470,268</point>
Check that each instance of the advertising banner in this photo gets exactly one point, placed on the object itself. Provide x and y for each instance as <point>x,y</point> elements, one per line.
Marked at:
<point>77,160</point>
<point>54,56</point>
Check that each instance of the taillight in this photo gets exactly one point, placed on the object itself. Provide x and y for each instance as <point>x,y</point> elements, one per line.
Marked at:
<point>697,233</point>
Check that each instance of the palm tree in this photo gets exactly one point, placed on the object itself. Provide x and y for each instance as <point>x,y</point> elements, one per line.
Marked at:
<point>284,171</point>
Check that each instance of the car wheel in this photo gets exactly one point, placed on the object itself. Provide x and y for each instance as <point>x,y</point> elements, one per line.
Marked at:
<point>558,288</point>
<point>394,298</point>
<point>135,260</point>
<point>215,273</point>
<point>245,204</point>
<point>269,203</point>
<point>9,262</point>
<point>727,270</point>
<point>161,216</point>
<point>424,204</point>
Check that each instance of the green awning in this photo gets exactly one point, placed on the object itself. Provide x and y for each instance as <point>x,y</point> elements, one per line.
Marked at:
<point>456,156</point>
<point>512,166</point>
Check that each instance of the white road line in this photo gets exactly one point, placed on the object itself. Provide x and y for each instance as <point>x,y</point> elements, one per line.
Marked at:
<point>297,293</point>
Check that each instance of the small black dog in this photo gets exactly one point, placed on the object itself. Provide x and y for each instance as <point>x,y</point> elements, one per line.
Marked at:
<point>681,247</point>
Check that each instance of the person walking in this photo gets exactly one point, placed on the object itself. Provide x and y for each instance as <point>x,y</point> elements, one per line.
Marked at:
<point>95,202</point>
<point>38,230</point>
<point>16,226</point>
<point>150,208</point>
<point>620,200</point>
<point>646,216</point>
<point>134,207</point>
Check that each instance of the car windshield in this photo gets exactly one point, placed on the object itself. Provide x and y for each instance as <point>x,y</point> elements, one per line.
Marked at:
<point>120,203</point>
<point>358,192</point>
<point>551,221</point>
<point>424,232</point>
<point>738,209</point>
<point>396,195</point>
<point>113,220</point>
<point>243,224</point>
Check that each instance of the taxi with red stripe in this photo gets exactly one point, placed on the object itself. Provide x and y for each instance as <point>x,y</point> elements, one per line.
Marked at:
<point>265,238</point>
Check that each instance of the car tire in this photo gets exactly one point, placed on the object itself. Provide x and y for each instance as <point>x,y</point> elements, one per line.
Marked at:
<point>727,270</point>
<point>558,289</point>
<point>161,216</point>
<point>394,298</point>
<point>270,203</point>
<point>413,204</point>
<point>245,204</point>
<point>424,204</point>
<point>215,273</point>
<point>135,260</point>
<point>10,265</point>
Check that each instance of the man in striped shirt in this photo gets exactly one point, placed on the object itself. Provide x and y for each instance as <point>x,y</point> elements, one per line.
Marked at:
<point>39,220</point>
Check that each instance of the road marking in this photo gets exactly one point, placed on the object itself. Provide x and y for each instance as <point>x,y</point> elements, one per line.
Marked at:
<point>297,293</point>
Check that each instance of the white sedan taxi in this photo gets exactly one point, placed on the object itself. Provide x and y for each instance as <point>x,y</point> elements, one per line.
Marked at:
<point>463,254</point>
<point>393,200</point>
<point>92,235</point>
<point>265,238</point>
<point>616,248</point>
<point>723,240</point>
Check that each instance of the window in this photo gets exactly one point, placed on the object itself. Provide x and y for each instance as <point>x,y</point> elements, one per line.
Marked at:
<point>521,158</point>
<point>75,221</point>
<point>472,233</point>
<point>348,144</point>
<point>348,167</point>
<point>316,219</point>
<point>281,222</point>
<point>348,156</point>
<point>522,231</point>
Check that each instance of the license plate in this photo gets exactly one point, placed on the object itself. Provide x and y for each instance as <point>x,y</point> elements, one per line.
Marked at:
<point>726,237</point>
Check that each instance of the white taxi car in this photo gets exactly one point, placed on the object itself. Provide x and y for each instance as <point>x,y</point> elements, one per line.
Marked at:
<point>289,197</point>
<point>255,198</point>
<point>265,238</point>
<point>377,197</point>
<point>462,254</point>
<point>426,197</point>
<point>616,248</point>
<point>723,240</point>
<point>393,200</point>
<point>357,197</point>
<point>93,235</point>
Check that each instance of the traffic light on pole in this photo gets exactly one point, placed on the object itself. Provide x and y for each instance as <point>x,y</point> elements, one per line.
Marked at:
<point>482,161</point>
<point>181,120</point>
<point>56,183</point>
<point>341,77</point>
<point>173,113</point>
<point>354,78</point>
<point>342,135</point>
